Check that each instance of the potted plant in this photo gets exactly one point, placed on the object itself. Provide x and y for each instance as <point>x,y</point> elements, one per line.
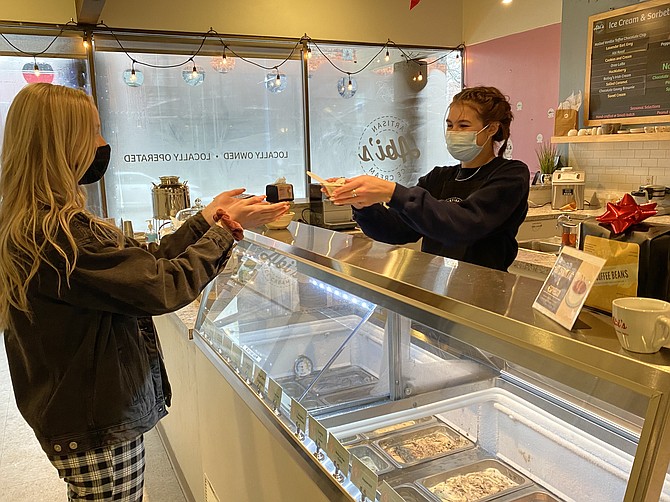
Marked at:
<point>547,157</point>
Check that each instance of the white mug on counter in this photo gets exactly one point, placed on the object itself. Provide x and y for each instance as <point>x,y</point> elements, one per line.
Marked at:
<point>641,324</point>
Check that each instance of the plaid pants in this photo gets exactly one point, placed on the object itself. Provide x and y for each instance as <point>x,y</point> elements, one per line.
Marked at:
<point>110,473</point>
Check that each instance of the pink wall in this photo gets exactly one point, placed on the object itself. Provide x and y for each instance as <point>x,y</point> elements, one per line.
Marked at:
<point>524,66</point>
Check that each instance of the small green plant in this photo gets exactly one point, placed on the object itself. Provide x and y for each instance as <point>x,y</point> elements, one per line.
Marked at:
<point>548,157</point>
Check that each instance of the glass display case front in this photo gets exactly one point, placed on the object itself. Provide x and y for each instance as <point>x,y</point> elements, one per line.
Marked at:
<point>435,377</point>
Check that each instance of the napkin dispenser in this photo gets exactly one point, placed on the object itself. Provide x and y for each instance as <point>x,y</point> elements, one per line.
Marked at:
<point>567,188</point>
<point>323,213</point>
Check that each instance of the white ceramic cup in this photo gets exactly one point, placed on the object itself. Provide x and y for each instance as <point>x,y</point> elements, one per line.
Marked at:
<point>641,324</point>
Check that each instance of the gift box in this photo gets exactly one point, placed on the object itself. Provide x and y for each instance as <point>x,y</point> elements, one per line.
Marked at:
<point>638,261</point>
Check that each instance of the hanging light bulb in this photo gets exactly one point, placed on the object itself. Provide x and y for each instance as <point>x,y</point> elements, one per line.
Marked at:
<point>36,69</point>
<point>275,82</point>
<point>195,76</point>
<point>132,77</point>
<point>85,42</point>
<point>309,53</point>
<point>347,86</point>
<point>224,57</point>
<point>387,56</point>
<point>419,77</point>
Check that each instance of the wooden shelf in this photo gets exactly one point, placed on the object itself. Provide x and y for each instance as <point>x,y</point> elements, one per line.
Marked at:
<point>610,138</point>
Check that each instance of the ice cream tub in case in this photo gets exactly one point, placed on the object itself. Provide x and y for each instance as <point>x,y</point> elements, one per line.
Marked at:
<point>383,431</point>
<point>350,440</point>
<point>373,460</point>
<point>536,497</point>
<point>477,482</point>
<point>422,444</point>
<point>411,494</point>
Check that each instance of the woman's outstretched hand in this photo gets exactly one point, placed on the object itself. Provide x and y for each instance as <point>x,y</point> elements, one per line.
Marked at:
<point>250,212</point>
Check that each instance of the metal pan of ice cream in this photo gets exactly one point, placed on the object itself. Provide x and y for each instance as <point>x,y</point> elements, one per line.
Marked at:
<point>402,426</point>
<point>422,444</point>
<point>476,482</point>
<point>536,497</point>
<point>371,458</point>
<point>411,494</point>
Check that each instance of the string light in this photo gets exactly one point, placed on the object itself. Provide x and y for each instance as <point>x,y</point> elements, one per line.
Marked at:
<point>275,82</point>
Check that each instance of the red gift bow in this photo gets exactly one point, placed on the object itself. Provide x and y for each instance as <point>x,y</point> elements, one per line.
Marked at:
<point>413,3</point>
<point>625,213</point>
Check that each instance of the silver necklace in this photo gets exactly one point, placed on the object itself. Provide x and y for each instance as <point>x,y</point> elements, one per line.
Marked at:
<point>466,179</point>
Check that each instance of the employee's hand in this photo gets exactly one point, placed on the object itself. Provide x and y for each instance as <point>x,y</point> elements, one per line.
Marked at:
<point>363,191</point>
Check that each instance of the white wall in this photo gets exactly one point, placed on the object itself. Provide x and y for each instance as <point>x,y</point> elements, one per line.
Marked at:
<point>488,19</point>
<point>38,11</point>
<point>433,22</point>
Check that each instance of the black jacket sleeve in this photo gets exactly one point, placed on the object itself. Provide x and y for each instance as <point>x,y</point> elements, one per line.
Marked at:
<point>134,282</point>
<point>414,211</point>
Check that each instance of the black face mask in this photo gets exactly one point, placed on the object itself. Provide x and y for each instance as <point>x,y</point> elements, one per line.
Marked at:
<point>97,169</point>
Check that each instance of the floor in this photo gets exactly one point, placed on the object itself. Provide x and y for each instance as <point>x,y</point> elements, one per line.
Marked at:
<point>26,474</point>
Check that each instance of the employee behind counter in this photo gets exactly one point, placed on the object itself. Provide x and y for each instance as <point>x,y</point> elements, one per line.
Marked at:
<point>470,212</point>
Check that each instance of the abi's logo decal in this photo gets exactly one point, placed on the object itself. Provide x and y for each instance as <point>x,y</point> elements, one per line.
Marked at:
<point>386,148</point>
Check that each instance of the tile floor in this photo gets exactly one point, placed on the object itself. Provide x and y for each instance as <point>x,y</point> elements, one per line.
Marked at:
<point>27,476</point>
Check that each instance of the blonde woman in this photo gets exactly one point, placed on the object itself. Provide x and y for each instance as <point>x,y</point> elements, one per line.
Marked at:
<point>76,297</point>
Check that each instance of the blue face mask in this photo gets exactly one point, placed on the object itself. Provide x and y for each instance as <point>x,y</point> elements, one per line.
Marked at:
<point>462,145</point>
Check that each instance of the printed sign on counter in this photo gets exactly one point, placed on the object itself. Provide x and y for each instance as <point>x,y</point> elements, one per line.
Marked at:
<point>298,415</point>
<point>260,377</point>
<point>364,479</point>
<point>567,286</point>
<point>338,454</point>
<point>236,357</point>
<point>318,433</point>
<point>227,347</point>
<point>274,393</point>
<point>247,369</point>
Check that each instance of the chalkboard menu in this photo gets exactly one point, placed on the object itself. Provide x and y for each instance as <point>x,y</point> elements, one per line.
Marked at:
<point>628,65</point>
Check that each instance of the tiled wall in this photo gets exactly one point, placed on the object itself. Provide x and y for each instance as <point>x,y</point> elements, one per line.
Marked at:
<point>620,167</point>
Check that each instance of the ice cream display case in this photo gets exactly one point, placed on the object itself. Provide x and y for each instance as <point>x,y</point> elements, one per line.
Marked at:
<point>406,376</point>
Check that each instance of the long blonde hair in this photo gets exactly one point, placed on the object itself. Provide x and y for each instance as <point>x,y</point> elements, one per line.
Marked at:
<point>49,142</point>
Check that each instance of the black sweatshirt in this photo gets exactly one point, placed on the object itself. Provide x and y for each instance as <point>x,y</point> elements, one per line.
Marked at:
<point>471,215</point>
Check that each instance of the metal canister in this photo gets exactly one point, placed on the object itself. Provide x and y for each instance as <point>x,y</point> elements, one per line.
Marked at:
<point>170,197</point>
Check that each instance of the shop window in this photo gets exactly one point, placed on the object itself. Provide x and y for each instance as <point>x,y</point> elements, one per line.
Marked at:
<point>389,121</point>
<point>230,130</point>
